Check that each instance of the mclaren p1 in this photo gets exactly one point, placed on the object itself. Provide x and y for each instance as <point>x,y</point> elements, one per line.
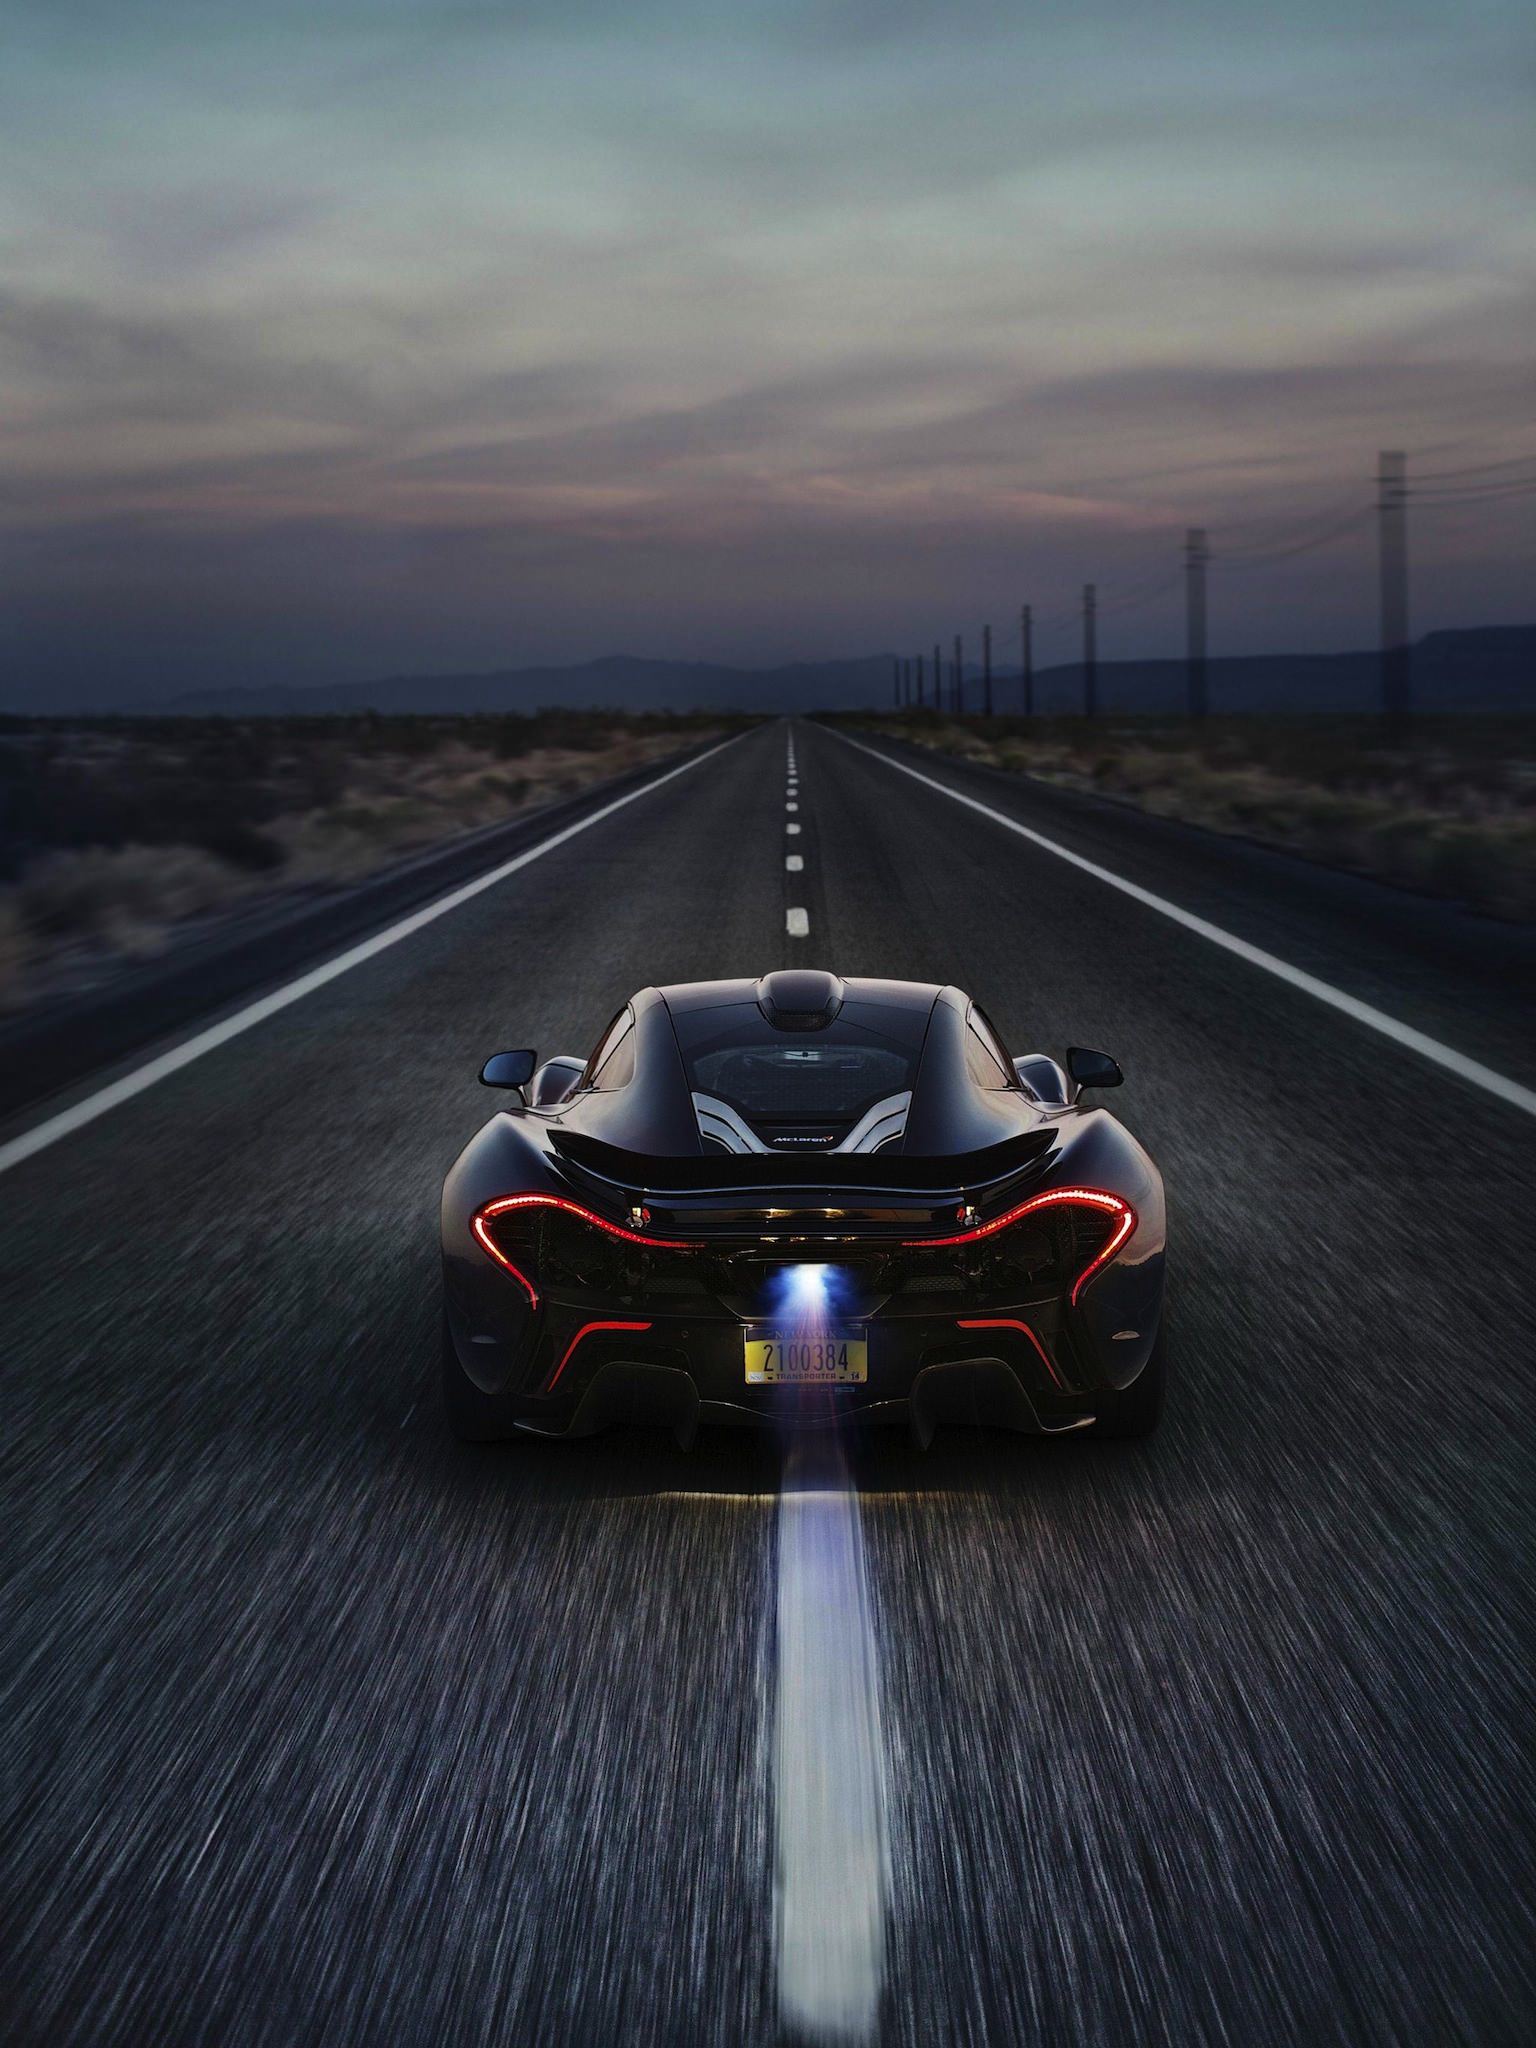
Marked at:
<point>797,1200</point>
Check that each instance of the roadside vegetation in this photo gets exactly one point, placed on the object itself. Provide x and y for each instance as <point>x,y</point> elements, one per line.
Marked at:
<point>117,833</point>
<point>1450,812</point>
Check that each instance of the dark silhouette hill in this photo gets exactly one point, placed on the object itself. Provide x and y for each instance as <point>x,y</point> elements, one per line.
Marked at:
<point>616,682</point>
<point>1490,668</point>
<point>1485,668</point>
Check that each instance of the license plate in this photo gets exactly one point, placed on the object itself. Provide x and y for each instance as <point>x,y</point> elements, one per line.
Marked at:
<point>789,1358</point>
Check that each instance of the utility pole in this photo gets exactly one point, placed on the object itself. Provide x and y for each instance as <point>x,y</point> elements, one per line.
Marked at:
<point>986,670</point>
<point>1196,555</point>
<point>1090,651</point>
<point>919,666</point>
<point>1392,510</point>
<point>959,679</point>
<point>896,684</point>
<point>1026,628</point>
<point>938,679</point>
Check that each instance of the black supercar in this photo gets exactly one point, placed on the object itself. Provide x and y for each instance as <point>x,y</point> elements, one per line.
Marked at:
<point>800,1198</point>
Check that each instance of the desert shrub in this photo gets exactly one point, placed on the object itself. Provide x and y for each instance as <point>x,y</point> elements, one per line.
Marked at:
<point>134,797</point>
<point>1491,867</point>
<point>126,895</point>
<point>1452,811</point>
<point>413,737</point>
<point>321,777</point>
<point>111,830</point>
<point>258,853</point>
<point>510,788</point>
<point>1137,770</point>
<point>15,954</point>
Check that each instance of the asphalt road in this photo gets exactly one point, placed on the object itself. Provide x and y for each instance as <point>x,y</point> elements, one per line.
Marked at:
<point>320,1728</point>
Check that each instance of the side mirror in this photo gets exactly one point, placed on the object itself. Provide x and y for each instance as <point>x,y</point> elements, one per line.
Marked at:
<point>509,1069</point>
<point>1090,1069</point>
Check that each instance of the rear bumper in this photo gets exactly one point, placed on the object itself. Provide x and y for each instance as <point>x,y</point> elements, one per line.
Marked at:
<point>980,1392</point>
<point>1017,1370</point>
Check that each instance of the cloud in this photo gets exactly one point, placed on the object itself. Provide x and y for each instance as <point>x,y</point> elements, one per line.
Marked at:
<point>822,316</point>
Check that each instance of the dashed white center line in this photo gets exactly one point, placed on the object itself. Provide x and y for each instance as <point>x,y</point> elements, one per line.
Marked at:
<point>831,1865</point>
<point>797,922</point>
<point>791,829</point>
<point>794,862</point>
<point>791,807</point>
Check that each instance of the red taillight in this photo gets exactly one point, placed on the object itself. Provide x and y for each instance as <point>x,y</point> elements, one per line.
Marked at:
<point>1082,1198</point>
<point>1011,1323</point>
<point>489,1244</point>
<point>503,1203</point>
<point>586,1330</point>
<point>487,1214</point>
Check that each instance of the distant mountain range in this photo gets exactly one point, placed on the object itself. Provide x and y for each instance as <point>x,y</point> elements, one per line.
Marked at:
<point>1489,668</point>
<point>617,682</point>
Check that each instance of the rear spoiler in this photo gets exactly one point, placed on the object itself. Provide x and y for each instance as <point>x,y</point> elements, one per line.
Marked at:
<point>883,1172</point>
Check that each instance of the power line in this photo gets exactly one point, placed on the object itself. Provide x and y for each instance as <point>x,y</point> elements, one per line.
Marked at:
<point>1134,599</point>
<point>1284,540</point>
<point>1286,526</point>
<point>1302,547</point>
<point>1435,476</point>
<point>1522,489</point>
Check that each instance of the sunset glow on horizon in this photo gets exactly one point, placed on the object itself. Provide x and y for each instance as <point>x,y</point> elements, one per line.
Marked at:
<point>440,336</point>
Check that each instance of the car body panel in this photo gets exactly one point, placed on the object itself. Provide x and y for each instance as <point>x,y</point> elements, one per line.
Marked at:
<point>655,1254</point>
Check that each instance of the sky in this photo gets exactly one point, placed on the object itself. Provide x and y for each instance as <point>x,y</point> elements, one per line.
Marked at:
<point>412,335</point>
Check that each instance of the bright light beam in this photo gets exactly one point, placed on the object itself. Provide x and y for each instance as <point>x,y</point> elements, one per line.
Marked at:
<point>809,1292</point>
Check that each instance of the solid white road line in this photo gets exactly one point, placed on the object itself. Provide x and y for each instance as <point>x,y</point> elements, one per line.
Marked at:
<point>828,1765</point>
<point>794,862</point>
<point>1389,1027</point>
<point>797,923</point>
<point>92,1106</point>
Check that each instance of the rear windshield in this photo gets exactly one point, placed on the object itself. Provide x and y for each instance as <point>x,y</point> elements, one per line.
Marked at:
<point>836,1073</point>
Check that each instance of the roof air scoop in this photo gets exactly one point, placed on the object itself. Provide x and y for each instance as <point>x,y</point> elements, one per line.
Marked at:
<point>800,998</point>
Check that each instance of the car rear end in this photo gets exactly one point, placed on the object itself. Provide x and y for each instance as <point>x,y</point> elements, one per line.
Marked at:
<point>984,1290</point>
